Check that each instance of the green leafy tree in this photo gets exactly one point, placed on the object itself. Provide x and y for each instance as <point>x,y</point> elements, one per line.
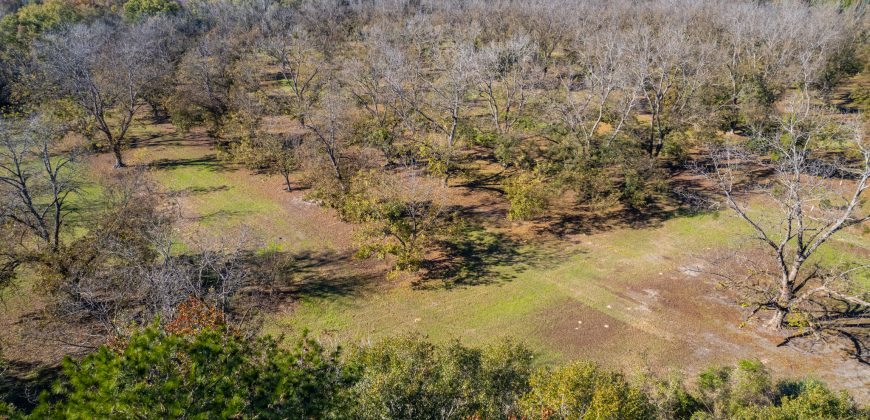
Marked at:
<point>210,374</point>
<point>528,196</point>
<point>137,9</point>
<point>725,389</point>
<point>401,215</point>
<point>507,366</point>
<point>747,391</point>
<point>643,182</point>
<point>28,22</point>
<point>671,397</point>
<point>813,400</point>
<point>584,390</point>
<point>412,378</point>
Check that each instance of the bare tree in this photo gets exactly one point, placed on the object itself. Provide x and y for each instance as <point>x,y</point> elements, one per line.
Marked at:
<point>330,124</point>
<point>96,284</point>
<point>768,48</point>
<point>35,178</point>
<point>371,79</point>
<point>125,270</point>
<point>668,69</point>
<point>301,66</point>
<point>503,77</point>
<point>219,269</point>
<point>817,197</point>
<point>204,80</point>
<point>549,25</point>
<point>443,101</point>
<point>165,283</point>
<point>105,71</point>
<point>600,91</point>
<point>280,153</point>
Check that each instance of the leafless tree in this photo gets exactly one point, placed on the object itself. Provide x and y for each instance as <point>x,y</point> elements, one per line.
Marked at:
<point>280,153</point>
<point>668,69</point>
<point>373,82</point>
<point>767,48</point>
<point>454,71</point>
<point>105,71</point>
<point>35,178</point>
<point>301,65</point>
<point>549,25</point>
<point>817,197</point>
<point>405,92</point>
<point>204,80</point>
<point>600,90</point>
<point>126,270</point>
<point>96,283</point>
<point>445,100</point>
<point>219,269</point>
<point>330,125</point>
<point>503,76</point>
<point>164,283</point>
<point>327,23</point>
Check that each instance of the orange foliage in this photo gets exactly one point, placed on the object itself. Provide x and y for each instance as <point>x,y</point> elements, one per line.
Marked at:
<point>193,316</point>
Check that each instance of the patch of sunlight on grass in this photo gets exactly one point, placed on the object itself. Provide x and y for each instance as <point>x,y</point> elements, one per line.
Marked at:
<point>845,255</point>
<point>18,295</point>
<point>217,198</point>
<point>179,247</point>
<point>475,314</point>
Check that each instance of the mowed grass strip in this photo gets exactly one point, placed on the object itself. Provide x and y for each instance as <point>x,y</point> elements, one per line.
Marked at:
<point>221,198</point>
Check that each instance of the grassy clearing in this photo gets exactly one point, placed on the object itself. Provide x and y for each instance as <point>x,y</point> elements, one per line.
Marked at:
<point>591,273</point>
<point>218,197</point>
<point>220,200</point>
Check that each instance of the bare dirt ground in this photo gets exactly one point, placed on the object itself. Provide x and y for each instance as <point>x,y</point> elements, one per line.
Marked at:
<point>680,322</point>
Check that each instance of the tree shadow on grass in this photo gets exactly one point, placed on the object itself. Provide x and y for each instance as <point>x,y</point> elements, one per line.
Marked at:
<point>22,382</point>
<point>201,190</point>
<point>482,257</point>
<point>220,215</point>
<point>168,138</point>
<point>688,194</point>
<point>326,273</point>
<point>283,276</point>
<point>209,162</point>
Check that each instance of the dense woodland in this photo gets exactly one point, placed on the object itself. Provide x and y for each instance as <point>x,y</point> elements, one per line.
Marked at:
<point>381,110</point>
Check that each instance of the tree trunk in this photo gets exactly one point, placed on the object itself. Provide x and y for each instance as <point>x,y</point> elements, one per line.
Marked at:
<point>119,160</point>
<point>650,147</point>
<point>775,323</point>
<point>336,169</point>
<point>287,182</point>
<point>783,302</point>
